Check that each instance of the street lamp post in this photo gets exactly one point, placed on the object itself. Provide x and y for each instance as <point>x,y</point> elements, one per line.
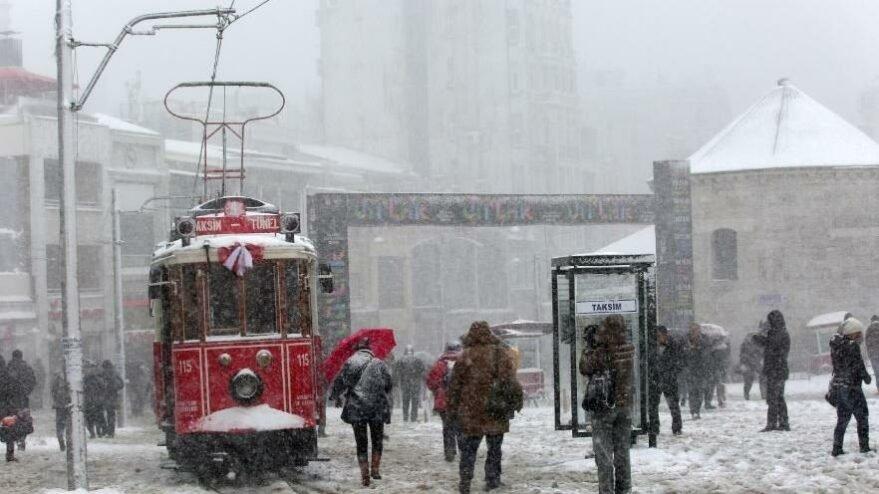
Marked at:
<point>77,475</point>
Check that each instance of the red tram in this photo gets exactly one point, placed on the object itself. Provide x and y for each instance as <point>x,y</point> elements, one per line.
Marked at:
<point>234,296</point>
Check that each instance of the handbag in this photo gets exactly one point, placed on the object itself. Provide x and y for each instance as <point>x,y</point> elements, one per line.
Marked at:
<point>505,397</point>
<point>600,393</point>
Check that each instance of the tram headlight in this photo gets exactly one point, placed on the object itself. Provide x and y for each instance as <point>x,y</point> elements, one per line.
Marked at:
<point>225,359</point>
<point>264,358</point>
<point>186,227</point>
<point>246,386</point>
<point>290,223</point>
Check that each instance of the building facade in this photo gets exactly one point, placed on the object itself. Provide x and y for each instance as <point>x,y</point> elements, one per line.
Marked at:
<point>473,96</point>
<point>783,205</point>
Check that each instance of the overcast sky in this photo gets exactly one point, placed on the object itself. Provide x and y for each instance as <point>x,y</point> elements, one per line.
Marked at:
<point>827,48</point>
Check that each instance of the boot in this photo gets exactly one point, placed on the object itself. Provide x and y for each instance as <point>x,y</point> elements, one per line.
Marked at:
<point>864,443</point>
<point>364,472</point>
<point>464,487</point>
<point>376,464</point>
<point>837,450</point>
<point>61,443</point>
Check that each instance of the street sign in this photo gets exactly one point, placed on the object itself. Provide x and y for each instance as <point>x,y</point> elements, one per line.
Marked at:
<point>607,307</point>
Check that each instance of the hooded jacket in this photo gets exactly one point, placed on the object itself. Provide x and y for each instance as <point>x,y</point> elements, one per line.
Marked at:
<point>484,359</point>
<point>364,383</point>
<point>437,381</point>
<point>848,364</point>
<point>776,346</point>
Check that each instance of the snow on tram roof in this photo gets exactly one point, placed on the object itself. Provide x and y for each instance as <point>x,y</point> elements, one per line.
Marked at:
<point>270,241</point>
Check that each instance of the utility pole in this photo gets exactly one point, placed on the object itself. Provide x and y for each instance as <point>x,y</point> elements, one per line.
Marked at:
<point>77,474</point>
<point>120,308</point>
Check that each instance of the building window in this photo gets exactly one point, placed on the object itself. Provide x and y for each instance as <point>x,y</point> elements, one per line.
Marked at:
<point>88,268</point>
<point>390,283</point>
<point>88,181</point>
<point>138,237</point>
<point>724,249</point>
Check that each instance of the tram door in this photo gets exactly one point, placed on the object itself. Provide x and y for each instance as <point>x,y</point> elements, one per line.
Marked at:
<point>585,290</point>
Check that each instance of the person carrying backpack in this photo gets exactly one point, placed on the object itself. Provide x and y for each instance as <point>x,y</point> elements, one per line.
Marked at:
<point>438,380</point>
<point>364,384</point>
<point>482,397</point>
<point>611,362</point>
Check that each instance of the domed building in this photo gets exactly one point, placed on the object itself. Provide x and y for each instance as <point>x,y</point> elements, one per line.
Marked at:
<point>784,216</point>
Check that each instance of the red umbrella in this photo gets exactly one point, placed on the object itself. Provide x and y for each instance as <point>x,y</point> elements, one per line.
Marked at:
<point>381,342</point>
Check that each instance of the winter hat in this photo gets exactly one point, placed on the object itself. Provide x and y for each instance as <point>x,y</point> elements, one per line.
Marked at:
<point>851,326</point>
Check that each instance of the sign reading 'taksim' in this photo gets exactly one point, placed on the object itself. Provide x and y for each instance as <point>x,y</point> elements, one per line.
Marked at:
<point>607,307</point>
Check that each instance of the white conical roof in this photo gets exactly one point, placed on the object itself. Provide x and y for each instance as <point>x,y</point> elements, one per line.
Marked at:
<point>785,129</point>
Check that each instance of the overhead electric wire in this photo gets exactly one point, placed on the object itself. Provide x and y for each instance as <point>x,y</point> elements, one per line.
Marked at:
<point>257,7</point>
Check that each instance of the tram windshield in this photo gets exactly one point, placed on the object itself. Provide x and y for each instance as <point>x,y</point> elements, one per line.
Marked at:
<point>248,305</point>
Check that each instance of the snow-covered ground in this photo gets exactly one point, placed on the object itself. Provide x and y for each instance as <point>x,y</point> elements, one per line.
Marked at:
<point>723,452</point>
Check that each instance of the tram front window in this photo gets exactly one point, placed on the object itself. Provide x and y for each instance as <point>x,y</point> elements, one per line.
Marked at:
<point>224,301</point>
<point>260,292</point>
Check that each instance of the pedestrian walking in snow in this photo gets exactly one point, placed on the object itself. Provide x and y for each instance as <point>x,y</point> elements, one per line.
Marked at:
<point>871,341</point>
<point>93,392</point>
<point>670,360</point>
<point>612,427</point>
<point>483,375</point>
<point>410,371</point>
<point>698,368</point>
<point>61,403</point>
<point>776,346</point>
<point>22,380</point>
<point>112,386</point>
<point>438,381</point>
<point>362,388</point>
<point>751,366</point>
<point>845,391</point>
<point>39,385</point>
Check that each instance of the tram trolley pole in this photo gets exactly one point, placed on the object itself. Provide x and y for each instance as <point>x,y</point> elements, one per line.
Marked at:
<point>68,106</point>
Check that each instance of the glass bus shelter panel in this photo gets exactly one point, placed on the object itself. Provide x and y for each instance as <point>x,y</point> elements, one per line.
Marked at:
<point>562,338</point>
<point>598,295</point>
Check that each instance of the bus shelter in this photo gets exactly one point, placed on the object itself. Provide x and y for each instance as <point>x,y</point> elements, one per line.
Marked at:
<point>585,290</point>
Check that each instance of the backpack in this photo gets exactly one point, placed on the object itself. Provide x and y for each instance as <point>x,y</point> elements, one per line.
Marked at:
<point>505,397</point>
<point>600,393</point>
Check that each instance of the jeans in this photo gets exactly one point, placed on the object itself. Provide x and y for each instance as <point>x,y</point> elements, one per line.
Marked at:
<point>851,402</point>
<point>874,361</point>
<point>376,431</point>
<point>776,414</point>
<point>469,446</point>
<point>94,420</point>
<point>450,436</point>
<point>611,439</point>
<point>749,378</point>
<point>696,390</point>
<point>669,388</point>
<point>411,397</point>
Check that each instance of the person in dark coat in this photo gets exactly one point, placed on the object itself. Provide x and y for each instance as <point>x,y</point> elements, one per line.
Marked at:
<point>39,384</point>
<point>93,392</point>
<point>849,372</point>
<point>670,360</point>
<point>363,386</point>
<point>871,341</point>
<point>409,371</point>
<point>698,367</point>
<point>23,381</point>
<point>776,346</point>
<point>612,429</point>
<point>112,385</point>
<point>751,366</point>
<point>61,403</point>
<point>438,381</point>
<point>484,361</point>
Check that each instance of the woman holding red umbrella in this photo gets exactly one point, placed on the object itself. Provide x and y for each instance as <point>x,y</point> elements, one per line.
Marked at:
<point>362,387</point>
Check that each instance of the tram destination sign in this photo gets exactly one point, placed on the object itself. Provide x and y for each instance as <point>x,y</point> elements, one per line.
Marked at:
<point>251,223</point>
<point>593,307</point>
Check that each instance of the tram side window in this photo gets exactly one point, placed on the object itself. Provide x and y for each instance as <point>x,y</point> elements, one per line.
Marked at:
<point>297,296</point>
<point>260,289</point>
<point>224,298</point>
<point>189,298</point>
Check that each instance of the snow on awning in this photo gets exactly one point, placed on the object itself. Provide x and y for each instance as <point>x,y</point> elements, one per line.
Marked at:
<point>641,242</point>
<point>830,318</point>
<point>785,129</point>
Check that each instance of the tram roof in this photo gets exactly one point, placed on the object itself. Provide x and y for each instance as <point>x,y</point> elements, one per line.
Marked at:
<point>275,246</point>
